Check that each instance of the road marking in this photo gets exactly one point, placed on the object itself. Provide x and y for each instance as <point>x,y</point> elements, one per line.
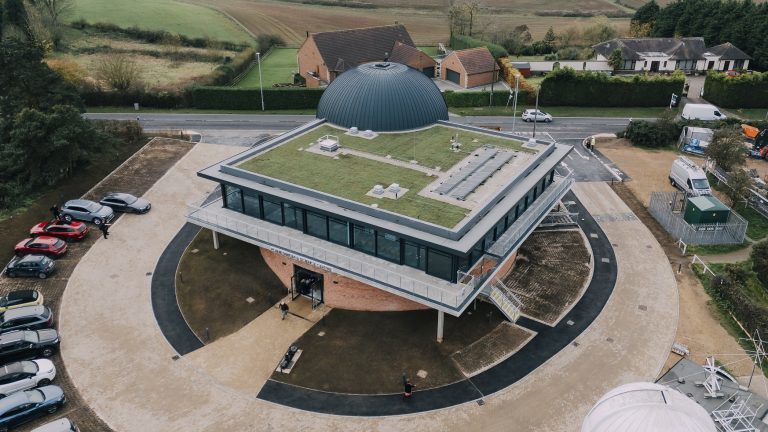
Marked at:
<point>570,157</point>
<point>579,153</point>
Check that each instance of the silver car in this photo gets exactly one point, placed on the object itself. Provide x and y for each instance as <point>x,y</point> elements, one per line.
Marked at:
<point>87,211</point>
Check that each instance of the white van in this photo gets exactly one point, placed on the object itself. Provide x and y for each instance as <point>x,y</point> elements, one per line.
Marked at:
<point>689,178</point>
<point>702,112</point>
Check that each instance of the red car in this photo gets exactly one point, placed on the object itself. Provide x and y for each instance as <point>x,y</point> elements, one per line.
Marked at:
<point>43,245</point>
<point>71,231</point>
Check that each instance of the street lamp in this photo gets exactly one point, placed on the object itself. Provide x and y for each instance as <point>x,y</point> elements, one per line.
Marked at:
<point>261,88</point>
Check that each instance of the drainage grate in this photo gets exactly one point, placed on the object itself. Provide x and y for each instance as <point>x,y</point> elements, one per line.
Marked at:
<point>609,340</point>
<point>643,307</point>
<point>569,322</point>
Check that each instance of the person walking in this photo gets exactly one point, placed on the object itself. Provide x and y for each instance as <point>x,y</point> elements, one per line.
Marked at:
<point>408,387</point>
<point>56,212</point>
<point>283,309</point>
<point>104,227</point>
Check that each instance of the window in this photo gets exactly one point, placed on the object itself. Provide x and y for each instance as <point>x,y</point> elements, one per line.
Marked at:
<point>738,64</point>
<point>388,246</point>
<point>500,228</point>
<point>414,255</point>
<point>685,64</point>
<point>233,198</point>
<point>294,216</point>
<point>251,204</point>
<point>338,231</point>
<point>628,65</point>
<point>365,239</point>
<point>317,225</point>
<point>488,240</point>
<point>439,264</point>
<point>273,211</point>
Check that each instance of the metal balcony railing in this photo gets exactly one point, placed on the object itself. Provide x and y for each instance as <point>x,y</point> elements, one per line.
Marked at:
<point>211,214</point>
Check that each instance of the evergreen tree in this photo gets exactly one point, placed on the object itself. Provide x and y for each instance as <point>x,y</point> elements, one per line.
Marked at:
<point>550,38</point>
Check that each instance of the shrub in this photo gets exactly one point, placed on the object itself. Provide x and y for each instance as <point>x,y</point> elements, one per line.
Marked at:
<point>567,87</point>
<point>249,99</point>
<point>460,42</point>
<point>759,257</point>
<point>743,91</point>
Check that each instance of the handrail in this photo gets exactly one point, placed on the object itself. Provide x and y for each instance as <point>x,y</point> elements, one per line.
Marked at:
<point>390,278</point>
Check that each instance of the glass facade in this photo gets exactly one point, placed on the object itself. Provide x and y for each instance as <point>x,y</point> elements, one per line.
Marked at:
<point>384,245</point>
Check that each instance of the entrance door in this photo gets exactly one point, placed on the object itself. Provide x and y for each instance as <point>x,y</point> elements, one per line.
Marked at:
<point>727,65</point>
<point>710,65</point>
<point>308,284</point>
<point>654,66</point>
<point>453,76</point>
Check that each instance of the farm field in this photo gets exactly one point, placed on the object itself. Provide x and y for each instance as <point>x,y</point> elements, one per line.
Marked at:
<point>193,20</point>
<point>291,21</point>
<point>277,67</point>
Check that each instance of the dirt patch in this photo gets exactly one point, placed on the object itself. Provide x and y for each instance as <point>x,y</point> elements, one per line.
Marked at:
<point>225,289</point>
<point>550,273</point>
<point>154,159</point>
<point>368,352</point>
<point>492,348</point>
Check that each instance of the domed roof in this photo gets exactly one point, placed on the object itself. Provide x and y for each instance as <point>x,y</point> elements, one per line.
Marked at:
<point>647,407</point>
<point>382,97</point>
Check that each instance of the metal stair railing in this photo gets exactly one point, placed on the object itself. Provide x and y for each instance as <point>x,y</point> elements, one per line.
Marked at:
<point>505,300</point>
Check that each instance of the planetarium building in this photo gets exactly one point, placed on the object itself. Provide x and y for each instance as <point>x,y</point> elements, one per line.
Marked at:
<point>381,203</point>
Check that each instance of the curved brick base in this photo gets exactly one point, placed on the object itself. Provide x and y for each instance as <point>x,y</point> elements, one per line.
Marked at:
<point>340,291</point>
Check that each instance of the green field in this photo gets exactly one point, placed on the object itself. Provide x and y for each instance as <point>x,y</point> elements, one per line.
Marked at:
<point>277,67</point>
<point>171,16</point>
<point>751,113</point>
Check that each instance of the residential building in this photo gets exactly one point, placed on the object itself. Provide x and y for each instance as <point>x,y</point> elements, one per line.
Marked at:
<point>469,68</point>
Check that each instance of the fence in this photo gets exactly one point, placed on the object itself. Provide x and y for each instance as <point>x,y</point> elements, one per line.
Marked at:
<point>756,200</point>
<point>667,208</point>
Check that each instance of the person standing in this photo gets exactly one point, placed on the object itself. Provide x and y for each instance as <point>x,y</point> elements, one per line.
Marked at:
<point>408,387</point>
<point>283,309</point>
<point>104,227</point>
<point>56,212</point>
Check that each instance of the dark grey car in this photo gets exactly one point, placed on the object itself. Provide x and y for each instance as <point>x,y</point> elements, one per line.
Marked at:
<point>26,318</point>
<point>31,266</point>
<point>123,202</point>
<point>87,211</point>
<point>26,344</point>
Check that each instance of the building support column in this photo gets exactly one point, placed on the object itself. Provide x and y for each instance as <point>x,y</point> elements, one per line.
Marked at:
<point>440,323</point>
<point>215,239</point>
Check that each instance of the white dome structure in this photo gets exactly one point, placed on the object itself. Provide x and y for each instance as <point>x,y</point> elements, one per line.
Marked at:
<point>647,407</point>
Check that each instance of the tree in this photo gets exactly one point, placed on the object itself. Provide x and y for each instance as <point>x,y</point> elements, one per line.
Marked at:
<point>471,8</point>
<point>642,22</point>
<point>615,60</point>
<point>739,183</point>
<point>600,31</point>
<point>759,257</point>
<point>726,149</point>
<point>119,72</point>
<point>550,38</point>
<point>53,13</point>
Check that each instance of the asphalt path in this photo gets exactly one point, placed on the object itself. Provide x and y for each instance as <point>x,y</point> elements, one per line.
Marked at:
<point>249,129</point>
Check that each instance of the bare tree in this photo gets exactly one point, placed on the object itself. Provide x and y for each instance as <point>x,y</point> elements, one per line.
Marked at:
<point>119,72</point>
<point>471,8</point>
<point>54,12</point>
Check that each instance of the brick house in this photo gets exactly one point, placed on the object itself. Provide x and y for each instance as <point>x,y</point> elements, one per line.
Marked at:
<point>470,67</point>
<point>324,56</point>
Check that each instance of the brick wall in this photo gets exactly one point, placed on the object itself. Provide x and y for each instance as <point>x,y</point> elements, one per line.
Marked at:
<point>479,79</point>
<point>346,293</point>
<point>310,60</point>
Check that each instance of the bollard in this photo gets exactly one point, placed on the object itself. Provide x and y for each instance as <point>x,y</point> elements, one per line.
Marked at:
<point>207,334</point>
<point>679,268</point>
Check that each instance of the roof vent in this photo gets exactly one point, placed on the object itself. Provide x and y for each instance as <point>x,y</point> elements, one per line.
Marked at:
<point>353,130</point>
<point>378,190</point>
<point>381,65</point>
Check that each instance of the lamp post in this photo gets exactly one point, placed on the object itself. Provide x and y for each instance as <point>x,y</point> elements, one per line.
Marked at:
<point>536,116</point>
<point>261,88</point>
<point>514,105</point>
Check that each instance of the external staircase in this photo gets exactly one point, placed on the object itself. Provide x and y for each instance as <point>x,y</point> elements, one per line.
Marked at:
<point>505,300</point>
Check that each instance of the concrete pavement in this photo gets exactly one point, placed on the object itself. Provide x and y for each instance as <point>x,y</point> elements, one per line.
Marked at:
<point>125,368</point>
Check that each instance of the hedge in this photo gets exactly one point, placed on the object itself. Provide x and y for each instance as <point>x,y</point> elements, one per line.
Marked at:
<point>478,98</point>
<point>460,42</point>
<point>250,99</point>
<point>149,99</point>
<point>743,91</point>
<point>565,87</point>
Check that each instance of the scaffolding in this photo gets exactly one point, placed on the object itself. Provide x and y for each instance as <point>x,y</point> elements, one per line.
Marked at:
<point>738,418</point>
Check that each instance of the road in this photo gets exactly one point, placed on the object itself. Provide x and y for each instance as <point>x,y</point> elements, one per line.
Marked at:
<point>248,129</point>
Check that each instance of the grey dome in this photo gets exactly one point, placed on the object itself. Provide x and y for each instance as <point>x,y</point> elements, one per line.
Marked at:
<point>382,97</point>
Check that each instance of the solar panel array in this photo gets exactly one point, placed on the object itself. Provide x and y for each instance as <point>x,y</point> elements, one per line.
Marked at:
<point>480,175</point>
<point>485,154</point>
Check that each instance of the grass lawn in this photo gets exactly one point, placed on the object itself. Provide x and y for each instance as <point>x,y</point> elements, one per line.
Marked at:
<point>752,113</point>
<point>277,67</point>
<point>715,249</point>
<point>429,50</point>
<point>126,109</point>
<point>758,224</point>
<point>212,285</point>
<point>169,15</point>
<point>566,111</point>
<point>351,177</point>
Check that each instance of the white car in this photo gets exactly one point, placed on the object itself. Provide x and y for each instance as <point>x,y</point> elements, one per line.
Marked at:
<point>25,375</point>
<point>530,115</point>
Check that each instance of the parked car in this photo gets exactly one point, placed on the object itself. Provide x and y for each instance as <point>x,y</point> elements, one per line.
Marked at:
<point>61,425</point>
<point>26,318</point>
<point>28,405</point>
<point>26,344</point>
<point>25,375</point>
<point>123,202</point>
<point>530,115</point>
<point>43,245</point>
<point>65,231</point>
<point>31,266</point>
<point>86,210</point>
<point>21,298</point>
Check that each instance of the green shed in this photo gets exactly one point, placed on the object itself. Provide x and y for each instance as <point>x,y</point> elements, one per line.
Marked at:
<point>705,210</point>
